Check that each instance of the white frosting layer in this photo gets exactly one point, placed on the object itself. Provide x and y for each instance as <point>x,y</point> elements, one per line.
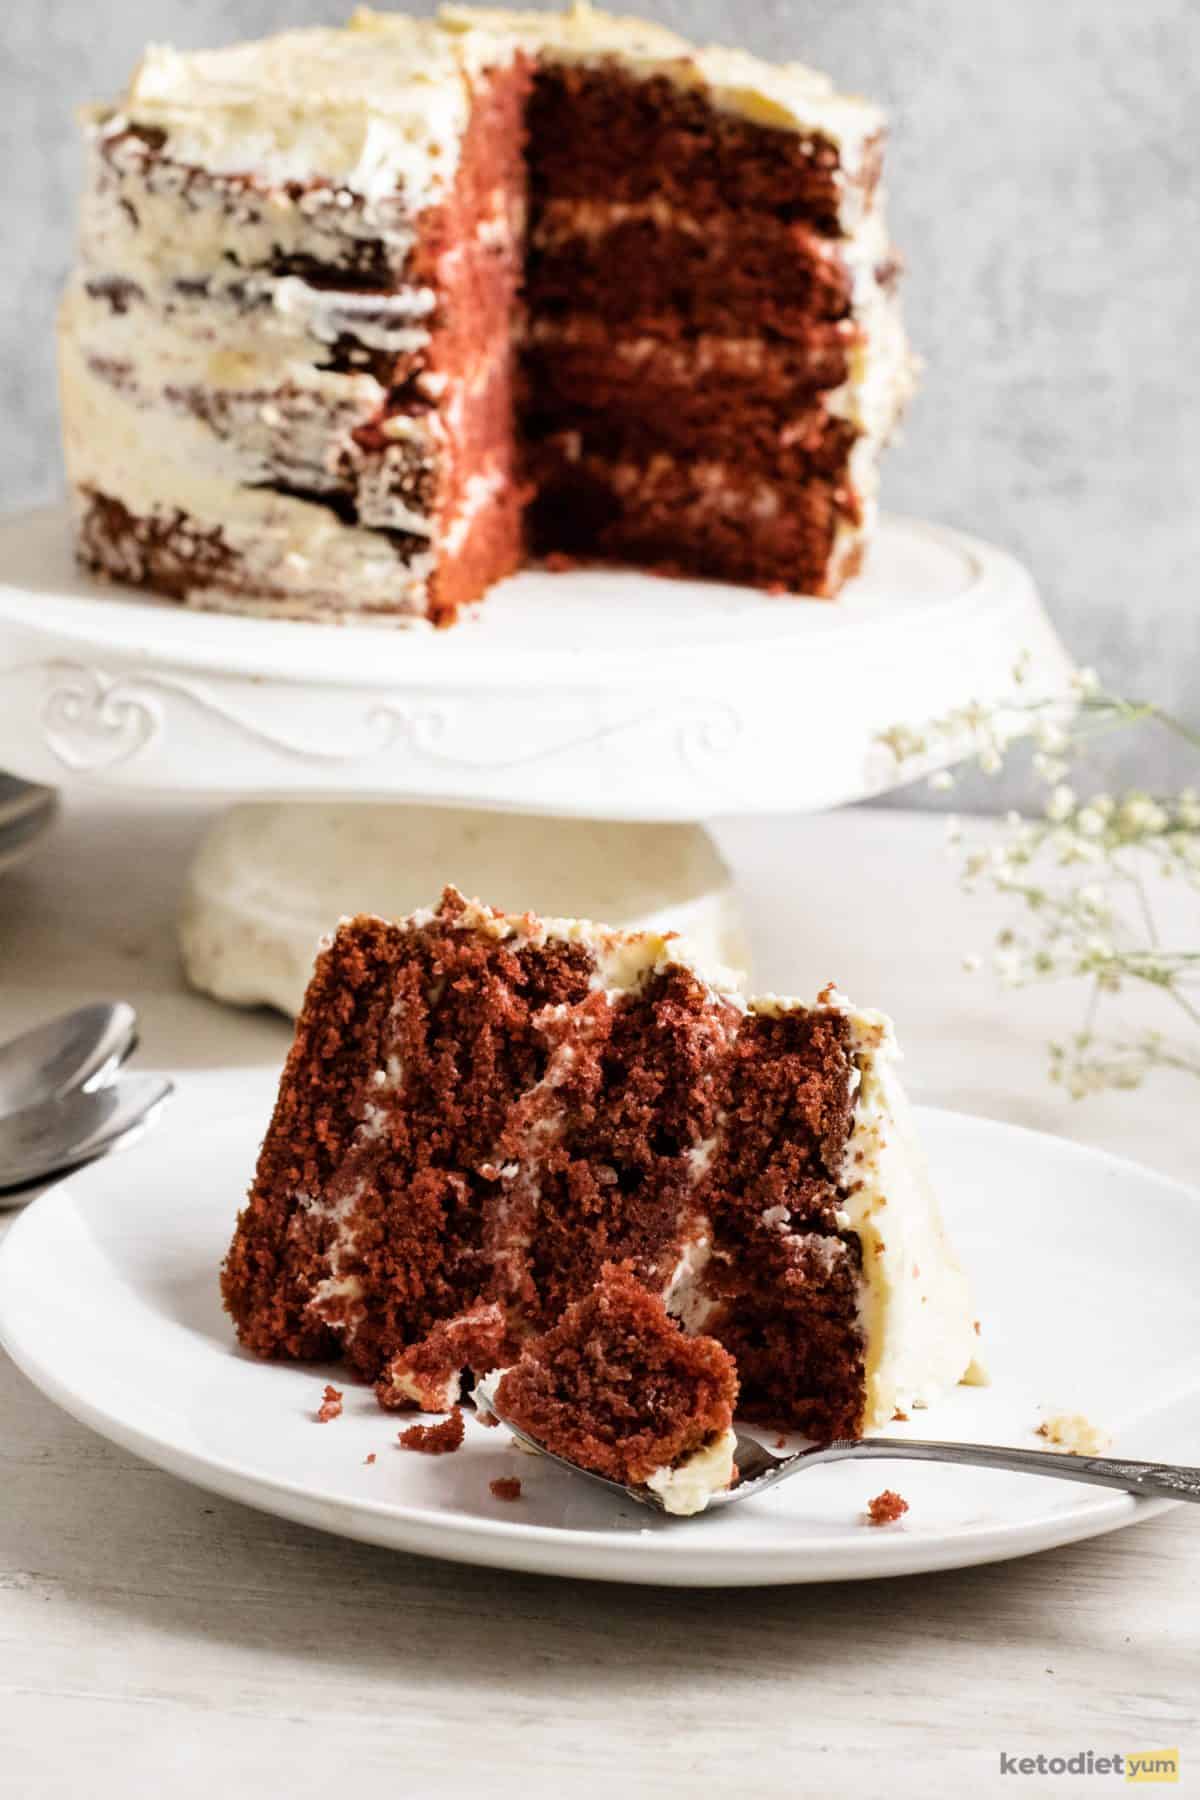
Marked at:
<point>687,1487</point>
<point>319,102</point>
<point>918,1324</point>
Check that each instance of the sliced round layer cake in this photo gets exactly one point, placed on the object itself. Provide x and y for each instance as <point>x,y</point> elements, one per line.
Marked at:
<point>361,316</point>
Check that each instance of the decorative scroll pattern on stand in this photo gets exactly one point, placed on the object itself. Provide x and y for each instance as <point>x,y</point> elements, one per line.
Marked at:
<point>95,722</point>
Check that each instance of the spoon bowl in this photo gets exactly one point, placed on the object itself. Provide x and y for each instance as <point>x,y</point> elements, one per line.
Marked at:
<point>82,1049</point>
<point>57,1133</point>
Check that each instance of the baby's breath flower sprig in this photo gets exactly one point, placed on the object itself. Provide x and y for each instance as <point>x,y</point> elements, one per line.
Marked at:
<point>1078,867</point>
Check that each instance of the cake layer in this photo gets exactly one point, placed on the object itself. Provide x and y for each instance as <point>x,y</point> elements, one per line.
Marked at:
<point>776,279</point>
<point>622,408</point>
<point>572,361</point>
<point>676,514</point>
<point>622,135</point>
<point>252,550</point>
<point>481,1111</point>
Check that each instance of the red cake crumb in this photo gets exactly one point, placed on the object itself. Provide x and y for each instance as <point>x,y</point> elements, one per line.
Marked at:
<point>900,1415</point>
<point>436,1440</point>
<point>369,1458</point>
<point>331,1405</point>
<point>506,1487</point>
<point>427,1376</point>
<point>617,1387</point>
<point>886,1508</point>
<point>781,1443</point>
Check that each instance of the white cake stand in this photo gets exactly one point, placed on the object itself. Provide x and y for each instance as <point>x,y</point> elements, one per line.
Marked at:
<point>600,694</point>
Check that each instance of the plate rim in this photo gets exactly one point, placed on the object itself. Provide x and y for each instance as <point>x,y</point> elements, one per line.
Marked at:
<point>595,1554</point>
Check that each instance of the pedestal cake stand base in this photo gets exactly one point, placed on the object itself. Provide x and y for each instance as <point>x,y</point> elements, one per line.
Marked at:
<point>270,880</point>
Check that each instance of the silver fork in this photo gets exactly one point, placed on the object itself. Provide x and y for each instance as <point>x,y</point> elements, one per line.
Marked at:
<point>759,1469</point>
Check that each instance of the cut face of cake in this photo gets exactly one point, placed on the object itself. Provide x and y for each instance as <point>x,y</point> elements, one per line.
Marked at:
<point>360,314</point>
<point>618,1388</point>
<point>480,1111</point>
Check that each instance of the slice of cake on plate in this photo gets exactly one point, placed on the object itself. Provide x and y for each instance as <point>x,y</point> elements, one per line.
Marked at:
<point>619,1388</point>
<point>359,313</point>
<point>480,1111</point>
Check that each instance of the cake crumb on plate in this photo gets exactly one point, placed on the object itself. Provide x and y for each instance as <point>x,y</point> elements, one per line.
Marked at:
<point>331,1404</point>
<point>506,1487</point>
<point>436,1440</point>
<point>886,1508</point>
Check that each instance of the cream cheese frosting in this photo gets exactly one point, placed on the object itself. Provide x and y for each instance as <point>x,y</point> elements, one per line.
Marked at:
<point>686,1487</point>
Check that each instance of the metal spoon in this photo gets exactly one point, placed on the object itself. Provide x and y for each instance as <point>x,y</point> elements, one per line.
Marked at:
<point>72,1128</point>
<point>758,1469</point>
<point>81,1049</point>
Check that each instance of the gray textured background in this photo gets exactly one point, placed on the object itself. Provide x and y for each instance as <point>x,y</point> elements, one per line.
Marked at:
<point>1045,187</point>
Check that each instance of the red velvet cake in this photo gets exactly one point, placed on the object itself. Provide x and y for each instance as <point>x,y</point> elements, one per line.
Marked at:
<point>363,316</point>
<point>481,1111</point>
<point>618,1388</point>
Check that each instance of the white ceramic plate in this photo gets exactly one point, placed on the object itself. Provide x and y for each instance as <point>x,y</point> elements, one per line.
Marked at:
<point>1083,1268</point>
<point>602,693</point>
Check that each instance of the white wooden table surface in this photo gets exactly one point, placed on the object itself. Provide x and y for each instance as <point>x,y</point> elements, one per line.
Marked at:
<point>155,1640</point>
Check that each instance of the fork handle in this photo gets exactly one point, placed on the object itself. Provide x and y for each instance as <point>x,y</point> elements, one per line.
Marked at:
<point>1166,1481</point>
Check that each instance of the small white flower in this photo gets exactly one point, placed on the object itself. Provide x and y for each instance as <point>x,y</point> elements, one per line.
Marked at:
<point>1089,822</point>
<point>1140,816</point>
<point>1048,768</point>
<point>1085,681</point>
<point>972,963</point>
<point>1050,737</point>
<point>1007,964</point>
<point>942,781</point>
<point>1061,803</point>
